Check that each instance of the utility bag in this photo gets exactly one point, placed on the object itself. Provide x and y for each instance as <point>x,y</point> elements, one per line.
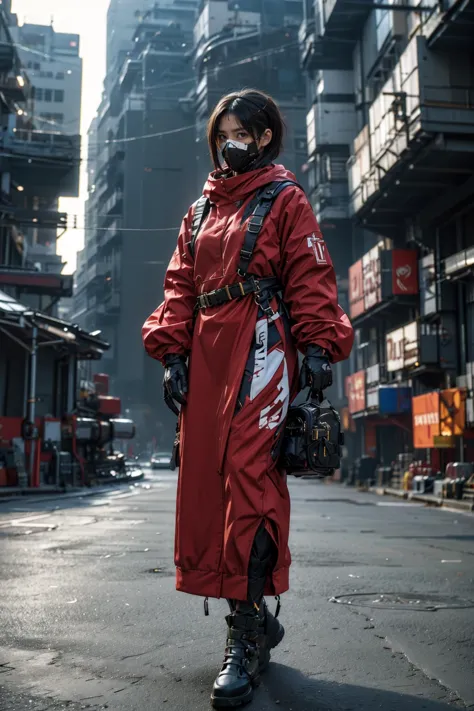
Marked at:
<point>313,439</point>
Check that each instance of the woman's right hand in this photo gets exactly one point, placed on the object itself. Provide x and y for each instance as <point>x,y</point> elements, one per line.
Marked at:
<point>175,381</point>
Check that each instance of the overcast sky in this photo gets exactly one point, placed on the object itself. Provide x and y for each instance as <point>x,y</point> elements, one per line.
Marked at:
<point>86,17</point>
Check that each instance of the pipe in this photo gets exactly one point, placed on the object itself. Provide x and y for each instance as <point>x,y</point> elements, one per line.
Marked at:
<point>33,369</point>
<point>71,394</point>
<point>32,400</point>
<point>75,453</point>
<point>37,463</point>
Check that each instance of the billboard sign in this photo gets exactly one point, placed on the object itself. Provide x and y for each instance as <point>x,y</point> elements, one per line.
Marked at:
<point>402,347</point>
<point>425,420</point>
<point>380,275</point>
<point>355,390</point>
<point>356,290</point>
<point>404,272</point>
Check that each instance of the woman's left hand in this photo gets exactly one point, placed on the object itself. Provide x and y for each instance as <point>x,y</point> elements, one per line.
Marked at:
<point>316,372</point>
<point>175,381</point>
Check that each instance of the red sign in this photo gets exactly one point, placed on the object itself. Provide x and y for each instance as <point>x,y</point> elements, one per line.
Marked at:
<point>425,420</point>
<point>356,290</point>
<point>355,391</point>
<point>404,272</point>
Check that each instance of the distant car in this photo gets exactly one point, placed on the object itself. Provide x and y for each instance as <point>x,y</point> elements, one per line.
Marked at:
<point>161,460</point>
<point>143,461</point>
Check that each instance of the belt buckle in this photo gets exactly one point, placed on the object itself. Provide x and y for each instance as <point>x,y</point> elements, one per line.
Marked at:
<point>204,301</point>
<point>260,299</point>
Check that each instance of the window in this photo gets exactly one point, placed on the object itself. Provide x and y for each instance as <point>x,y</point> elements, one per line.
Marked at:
<point>37,66</point>
<point>60,75</point>
<point>38,93</point>
<point>58,96</point>
<point>48,95</point>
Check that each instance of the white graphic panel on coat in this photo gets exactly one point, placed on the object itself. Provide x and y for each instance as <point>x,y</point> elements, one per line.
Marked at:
<point>266,364</point>
<point>270,418</point>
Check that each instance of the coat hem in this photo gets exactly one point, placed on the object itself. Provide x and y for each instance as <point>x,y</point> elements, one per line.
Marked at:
<point>212,584</point>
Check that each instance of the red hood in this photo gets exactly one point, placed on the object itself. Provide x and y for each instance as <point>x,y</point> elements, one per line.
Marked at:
<point>239,187</point>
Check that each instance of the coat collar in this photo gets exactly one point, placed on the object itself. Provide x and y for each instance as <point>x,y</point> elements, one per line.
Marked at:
<point>221,189</point>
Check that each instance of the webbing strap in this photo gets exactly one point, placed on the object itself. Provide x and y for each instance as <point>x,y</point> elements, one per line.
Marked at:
<point>264,200</point>
<point>258,210</point>
<point>201,211</point>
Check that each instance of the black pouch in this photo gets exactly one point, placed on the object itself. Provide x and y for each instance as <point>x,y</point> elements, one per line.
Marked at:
<point>312,440</point>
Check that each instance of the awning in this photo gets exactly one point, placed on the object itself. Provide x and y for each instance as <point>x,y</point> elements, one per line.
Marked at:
<point>36,282</point>
<point>17,320</point>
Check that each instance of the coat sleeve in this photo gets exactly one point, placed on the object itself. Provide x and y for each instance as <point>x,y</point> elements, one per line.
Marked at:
<point>309,281</point>
<point>169,329</point>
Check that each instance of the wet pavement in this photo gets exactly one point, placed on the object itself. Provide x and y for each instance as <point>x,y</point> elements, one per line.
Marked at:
<point>380,614</point>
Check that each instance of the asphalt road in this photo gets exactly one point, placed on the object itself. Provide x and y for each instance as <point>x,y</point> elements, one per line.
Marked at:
<point>89,618</point>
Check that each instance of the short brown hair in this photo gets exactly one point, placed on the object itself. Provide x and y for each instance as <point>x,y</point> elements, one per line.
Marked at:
<point>256,112</point>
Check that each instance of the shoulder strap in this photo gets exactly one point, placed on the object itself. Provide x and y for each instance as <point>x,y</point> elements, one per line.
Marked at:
<point>265,198</point>
<point>201,211</point>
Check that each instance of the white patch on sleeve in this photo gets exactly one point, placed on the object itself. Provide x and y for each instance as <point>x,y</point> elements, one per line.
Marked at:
<point>318,247</point>
<point>266,364</point>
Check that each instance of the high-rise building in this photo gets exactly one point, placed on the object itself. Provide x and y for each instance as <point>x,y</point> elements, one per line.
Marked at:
<point>394,86</point>
<point>141,182</point>
<point>250,44</point>
<point>38,166</point>
<point>55,69</point>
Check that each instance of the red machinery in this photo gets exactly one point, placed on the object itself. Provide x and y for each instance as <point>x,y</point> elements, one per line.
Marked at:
<point>76,449</point>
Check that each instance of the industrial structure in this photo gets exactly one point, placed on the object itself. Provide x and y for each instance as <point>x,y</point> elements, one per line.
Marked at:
<point>49,436</point>
<point>250,44</point>
<point>392,93</point>
<point>141,181</point>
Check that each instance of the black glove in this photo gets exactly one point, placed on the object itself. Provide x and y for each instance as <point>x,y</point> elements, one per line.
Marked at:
<point>175,381</point>
<point>316,371</point>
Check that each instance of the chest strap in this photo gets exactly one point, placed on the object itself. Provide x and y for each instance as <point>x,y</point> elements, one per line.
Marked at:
<point>263,290</point>
<point>260,207</point>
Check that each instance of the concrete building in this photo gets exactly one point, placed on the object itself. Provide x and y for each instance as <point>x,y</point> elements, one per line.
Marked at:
<point>409,133</point>
<point>250,44</point>
<point>37,167</point>
<point>141,183</point>
<point>55,69</point>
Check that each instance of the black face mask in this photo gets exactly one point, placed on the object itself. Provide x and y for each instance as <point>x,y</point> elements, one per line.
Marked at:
<point>239,156</point>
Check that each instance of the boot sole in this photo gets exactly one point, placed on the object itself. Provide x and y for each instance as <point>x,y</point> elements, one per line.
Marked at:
<point>219,702</point>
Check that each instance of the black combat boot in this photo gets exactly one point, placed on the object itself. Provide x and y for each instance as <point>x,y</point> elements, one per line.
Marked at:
<point>270,634</point>
<point>240,670</point>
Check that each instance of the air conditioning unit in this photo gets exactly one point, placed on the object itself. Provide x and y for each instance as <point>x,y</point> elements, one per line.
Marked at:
<point>399,24</point>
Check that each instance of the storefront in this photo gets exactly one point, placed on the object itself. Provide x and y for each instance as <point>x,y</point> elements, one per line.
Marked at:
<point>381,416</point>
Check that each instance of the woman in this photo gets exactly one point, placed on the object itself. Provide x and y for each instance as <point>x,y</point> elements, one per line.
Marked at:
<point>229,346</point>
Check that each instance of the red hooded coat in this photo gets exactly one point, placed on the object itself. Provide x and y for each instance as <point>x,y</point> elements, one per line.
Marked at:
<point>229,481</point>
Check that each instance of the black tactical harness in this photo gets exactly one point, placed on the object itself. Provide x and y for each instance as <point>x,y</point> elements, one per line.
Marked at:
<point>312,440</point>
<point>263,288</point>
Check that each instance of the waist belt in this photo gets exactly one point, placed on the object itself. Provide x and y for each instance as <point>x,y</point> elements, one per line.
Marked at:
<point>263,290</point>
